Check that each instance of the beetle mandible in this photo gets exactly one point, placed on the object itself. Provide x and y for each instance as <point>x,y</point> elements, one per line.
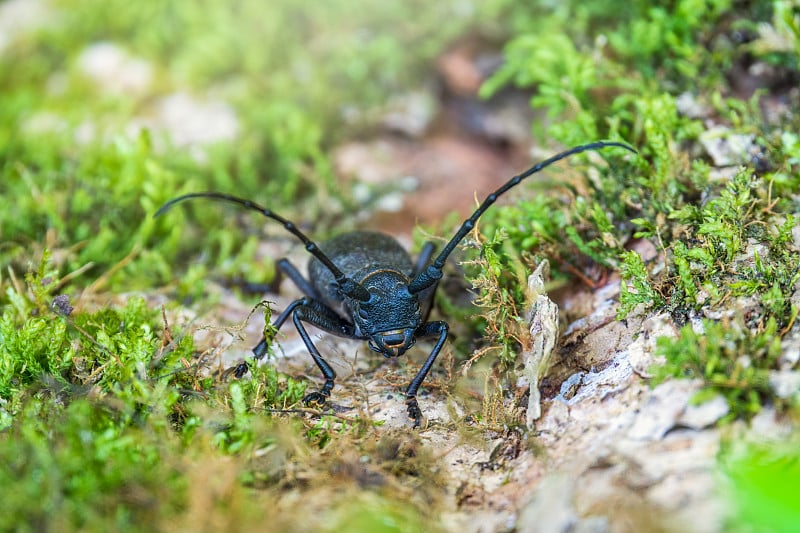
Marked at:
<point>364,286</point>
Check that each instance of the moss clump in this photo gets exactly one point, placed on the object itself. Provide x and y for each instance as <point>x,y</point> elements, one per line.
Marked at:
<point>730,359</point>
<point>103,413</point>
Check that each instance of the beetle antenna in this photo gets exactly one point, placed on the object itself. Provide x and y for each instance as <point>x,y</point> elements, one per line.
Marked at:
<point>348,286</point>
<point>433,272</point>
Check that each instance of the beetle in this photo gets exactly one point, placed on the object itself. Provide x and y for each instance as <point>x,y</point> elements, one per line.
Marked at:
<point>363,285</point>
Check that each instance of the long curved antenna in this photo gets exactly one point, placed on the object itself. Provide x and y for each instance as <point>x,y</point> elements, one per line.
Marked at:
<point>433,272</point>
<point>348,286</point>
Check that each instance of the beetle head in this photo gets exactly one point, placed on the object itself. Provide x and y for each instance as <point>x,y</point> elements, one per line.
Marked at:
<point>391,315</point>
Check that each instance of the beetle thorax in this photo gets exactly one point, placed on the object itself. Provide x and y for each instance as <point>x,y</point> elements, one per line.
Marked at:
<point>391,315</point>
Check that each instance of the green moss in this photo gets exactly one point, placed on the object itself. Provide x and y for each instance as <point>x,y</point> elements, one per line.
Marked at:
<point>635,288</point>
<point>75,467</point>
<point>763,476</point>
<point>373,513</point>
<point>104,414</point>
<point>722,236</point>
<point>501,284</point>
<point>729,358</point>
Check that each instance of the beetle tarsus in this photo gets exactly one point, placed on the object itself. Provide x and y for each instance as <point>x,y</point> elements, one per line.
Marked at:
<point>240,370</point>
<point>319,398</point>
<point>414,412</point>
<point>315,399</point>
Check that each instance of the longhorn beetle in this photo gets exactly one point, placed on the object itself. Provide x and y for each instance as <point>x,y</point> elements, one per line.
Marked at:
<point>363,285</point>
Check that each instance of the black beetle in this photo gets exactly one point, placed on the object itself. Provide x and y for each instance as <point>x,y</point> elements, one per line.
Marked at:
<point>363,285</point>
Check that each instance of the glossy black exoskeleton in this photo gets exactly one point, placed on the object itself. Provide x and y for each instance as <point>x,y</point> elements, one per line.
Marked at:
<point>363,285</point>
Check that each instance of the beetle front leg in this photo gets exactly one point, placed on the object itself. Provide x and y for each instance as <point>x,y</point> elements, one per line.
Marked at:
<point>324,318</point>
<point>429,329</point>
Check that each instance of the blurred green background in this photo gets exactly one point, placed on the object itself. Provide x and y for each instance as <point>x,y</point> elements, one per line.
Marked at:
<point>109,108</point>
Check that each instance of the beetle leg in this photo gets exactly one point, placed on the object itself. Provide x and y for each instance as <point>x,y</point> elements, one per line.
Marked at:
<point>429,329</point>
<point>426,296</point>
<point>325,318</point>
<point>297,278</point>
<point>424,256</point>
<point>291,271</point>
<point>260,349</point>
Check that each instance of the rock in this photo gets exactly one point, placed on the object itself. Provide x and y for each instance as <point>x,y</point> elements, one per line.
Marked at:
<point>114,70</point>
<point>669,407</point>
<point>641,352</point>
<point>550,510</point>
<point>411,113</point>
<point>790,351</point>
<point>190,121</point>
<point>727,148</point>
<point>785,383</point>
<point>704,415</point>
<point>20,16</point>
<point>662,410</point>
<point>689,106</point>
<point>543,323</point>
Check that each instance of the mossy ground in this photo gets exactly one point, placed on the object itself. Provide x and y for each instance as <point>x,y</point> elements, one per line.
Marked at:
<point>111,416</point>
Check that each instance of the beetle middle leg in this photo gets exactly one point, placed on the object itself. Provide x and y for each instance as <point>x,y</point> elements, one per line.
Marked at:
<point>292,272</point>
<point>260,349</point>
<point>424,257</point>
<point>319,315</point>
